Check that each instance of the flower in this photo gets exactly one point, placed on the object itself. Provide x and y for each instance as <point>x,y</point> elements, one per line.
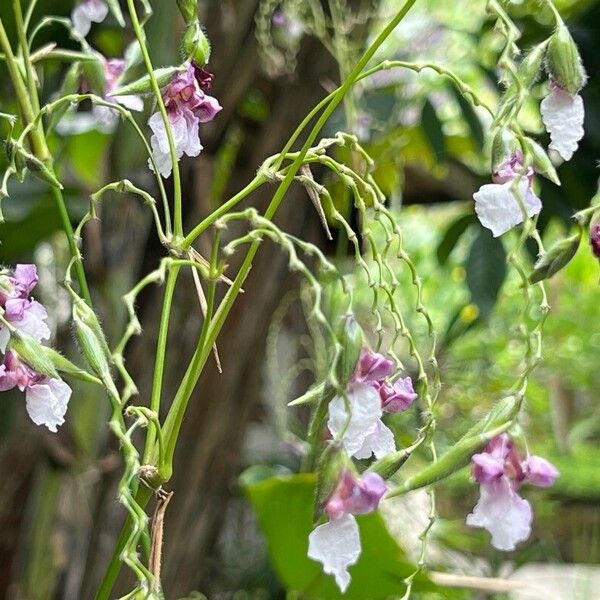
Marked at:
<point>46,398</point>
<point>187,106</point>
<point>336,544</point>
<point>595,239</point>
<point>500,471</point>
<point>25,314</point>
<point>357,415</point>
<point>497,205</point>
<point>88,12</point>
<point>563,114</point>
<point>102,118</point>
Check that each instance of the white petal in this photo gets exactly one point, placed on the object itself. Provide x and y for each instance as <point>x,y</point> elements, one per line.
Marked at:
<point>365,412</point>
<point>4,338</point>
<point>131,102</point>
<point>86,12</point>
<point>503,513</point>
<point>563,115</point>
<point>380,443</point>
<point>33,322</point>
<point>337,546</point>
<point>47,403</point>
<point>499,210</point>
<point>160,142</point>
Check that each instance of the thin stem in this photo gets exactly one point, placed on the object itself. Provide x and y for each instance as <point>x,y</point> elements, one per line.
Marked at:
<point>161,351</point>
<point>177,411</point>
<point>141,37</point>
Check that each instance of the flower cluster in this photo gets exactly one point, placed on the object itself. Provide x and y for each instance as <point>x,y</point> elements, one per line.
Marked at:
<point>500,472</point>
<point>336,544</point>
<point>46,398</point>
<point>356,416</point>
<point>187,106</point>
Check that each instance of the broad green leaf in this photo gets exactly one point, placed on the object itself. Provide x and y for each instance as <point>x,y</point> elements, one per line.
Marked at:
<point>284,506</point>
<point>432,127</point>
<point>452,235</point>
<point>486,271</point>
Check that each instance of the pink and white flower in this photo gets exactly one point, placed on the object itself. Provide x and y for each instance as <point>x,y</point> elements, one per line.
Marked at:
<point>356,416</point>
<point>563,114</point>
<point>88,12</point>
<point>187,106</point>
<point>336,544</point>
<point>20,311</point>
<point>46,398</point>
<point>500,205</point>
<point>500,472</point>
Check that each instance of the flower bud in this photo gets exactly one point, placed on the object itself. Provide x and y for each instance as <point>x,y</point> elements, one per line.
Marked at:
<point>351,338</point>
<point>143,85</point>
<point>91,338</point>
<point>332,463</point>
<point>188,10</point>
<point>564,62</point>
<point>196,46</point>
<point>556,258</point>
<point>531,65</point>
<point>541,163</point>
<point>32,353</point>
<point>504,145</point>
<point>595,238</point>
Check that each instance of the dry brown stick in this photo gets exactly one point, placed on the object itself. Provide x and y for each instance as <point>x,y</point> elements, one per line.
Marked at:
<point>158,521</point>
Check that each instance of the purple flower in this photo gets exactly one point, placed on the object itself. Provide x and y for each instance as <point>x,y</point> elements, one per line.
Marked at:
<point>398,396</point>
<point>187,106</point>
<point>500,472</point>
<point>46,398</point>
<point>497,205</point>
<point>563,114</point>
<point>88,12</point>
<point>355,496</point>
<point>25,314</point>
<point>595,238</point>
<point>372,367</point>
<point>336,544</point>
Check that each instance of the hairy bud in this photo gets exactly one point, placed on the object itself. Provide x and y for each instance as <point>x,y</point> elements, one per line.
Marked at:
<point>556,258</point>
<point>196,46</point>
<point>564,62</point>
<point>351,338</point>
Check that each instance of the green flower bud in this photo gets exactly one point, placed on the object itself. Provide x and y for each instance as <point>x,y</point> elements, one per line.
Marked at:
<point>143,85</point>
<point>564,62</point>
<point>32,352</point>
<point>556,258</point>
<point>351,338</point>
<point>40,170</point>
<point>540,161</point>
<point>91,338</point>
<point>188,10</point>
<point>504,145</point>
<point>64,365</point>
<point>531,65</point>
<point>196,46</point>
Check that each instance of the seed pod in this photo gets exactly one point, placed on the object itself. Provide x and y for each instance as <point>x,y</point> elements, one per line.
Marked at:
<point>564,62</point>
<point>556,258</point>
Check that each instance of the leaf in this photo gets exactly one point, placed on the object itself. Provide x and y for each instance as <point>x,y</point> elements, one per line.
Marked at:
<point>432,127</point>
<point>284,507</point>
<point>452,235</point>
<point>470,116</point>
<point>486,271</point>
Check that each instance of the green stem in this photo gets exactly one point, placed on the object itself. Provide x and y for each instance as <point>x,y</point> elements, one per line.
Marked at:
<point>175,417</point>
<point>141,37</point>
<point>68,228</point>
<point>161,351</point>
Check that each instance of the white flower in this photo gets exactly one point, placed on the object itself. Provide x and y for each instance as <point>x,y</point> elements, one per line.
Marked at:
<point>563,115</point>
<point>503,513</point>
<point>499,210</point>
<point>184,127</point>
<point>87,12</point>
<point>47,402</point>
<point>363,432</point>
<point>336,545</point>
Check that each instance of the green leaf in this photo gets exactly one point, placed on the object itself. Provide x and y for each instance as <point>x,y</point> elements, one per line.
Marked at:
<point>486,271</point>
<point>432,127</point>
<point>452,235</point>
<point>471,118</point>
<point>284,507</point>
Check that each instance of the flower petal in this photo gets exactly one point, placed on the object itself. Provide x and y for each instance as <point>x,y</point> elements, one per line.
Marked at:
<point>503,513</point>
<point>563,115</point>
<point>499,210</point>
<point>47,402</point>
<point>33,322</point>
<point>336,545</point>
<point>365,412</point>
<point>87,12</point>
<point>4,338</point>
<point>539,471</point>
<point>380,442</point>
